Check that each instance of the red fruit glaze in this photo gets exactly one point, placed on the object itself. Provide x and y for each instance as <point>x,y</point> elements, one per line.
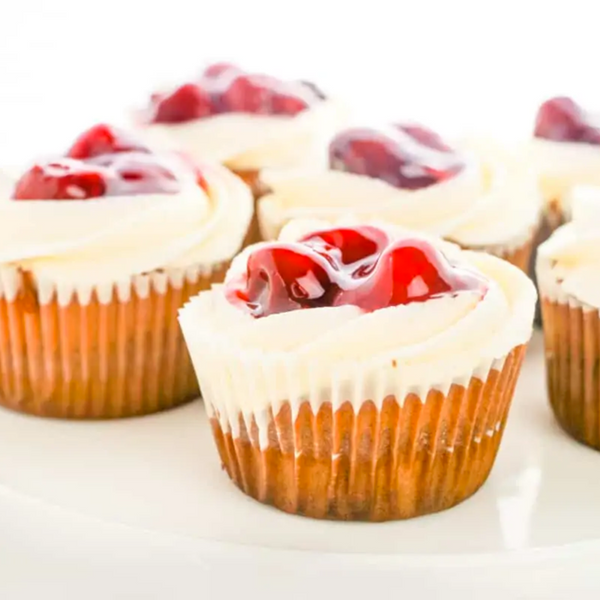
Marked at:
<point>186,103</point>
<point>562,119</point>
<point>352,266</point>
<point>137,173</point>
<point>104,139</point>
<point>63,179</point>
<point>407,156</point>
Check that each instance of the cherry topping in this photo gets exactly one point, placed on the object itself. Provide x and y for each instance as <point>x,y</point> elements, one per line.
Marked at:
<point>225,88</point>
<point>407,156</point>
<point>562,119</point>
<point>283,277</point>
<point>104,139</point>
<point>186,103</point>
<point>352,266</point>
<point>64,179</point>
<point>410,270</point>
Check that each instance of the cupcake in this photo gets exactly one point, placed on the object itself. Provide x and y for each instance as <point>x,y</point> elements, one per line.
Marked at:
<point>406,175</point>
<point>361,372</point>
<point>565,154</point>
<point>246,121</point>
<point>568,270</point>
<point>99,248</point>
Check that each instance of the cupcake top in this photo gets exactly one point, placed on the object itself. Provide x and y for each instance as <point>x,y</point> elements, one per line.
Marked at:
<point>565,149</point>
<point>407,175</point>
<point>568,264</point>
<point>246,121</point>
<point>111,209</point>
<point>391,307</point>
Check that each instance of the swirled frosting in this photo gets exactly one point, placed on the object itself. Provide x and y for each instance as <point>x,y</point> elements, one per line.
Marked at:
<point>107,240</point>
<point>493,202</point>
<point>561,166</point>
<point>568,264</point>
<point>249,142</point>
<point>344,354</point>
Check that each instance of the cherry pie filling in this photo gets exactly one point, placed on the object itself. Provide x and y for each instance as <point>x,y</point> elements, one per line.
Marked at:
<point>561,119</point>
<point>103,161</point>
<point>357,266</point>
<point>225,88</point>
<point>406,156</point>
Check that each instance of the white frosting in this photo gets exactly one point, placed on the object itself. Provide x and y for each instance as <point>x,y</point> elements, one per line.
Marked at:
<point>248,142</point>
<point>338,354</point>
<point>563,165</point>
<point>72,245</point>
<point>492,203</point>
<point>568,264</point>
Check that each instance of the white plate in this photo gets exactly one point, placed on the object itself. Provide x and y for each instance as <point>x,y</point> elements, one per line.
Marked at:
<point>538,512</point>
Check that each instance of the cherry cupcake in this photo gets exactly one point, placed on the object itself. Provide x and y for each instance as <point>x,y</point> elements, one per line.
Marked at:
<point>99,248</point>
<point>360,372</point>
<point>565,152</point>
<point>407,175</point>
<point>568,270</point>
<point>246,121</point>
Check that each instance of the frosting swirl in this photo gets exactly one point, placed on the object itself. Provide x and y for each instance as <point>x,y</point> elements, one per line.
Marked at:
<point>561,166</point>
<point>568,263</point>
<point>308,353</point>
<point>491,202</point>
<point>249,142</point>
<point>110,239</point>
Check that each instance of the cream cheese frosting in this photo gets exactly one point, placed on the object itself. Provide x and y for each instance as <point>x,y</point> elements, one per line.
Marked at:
<point>568,264</point>
<point>493,202</point>
<point>72,245</point>
<point>249,142</point>
<point>339,354</point>
<point>561,166</point>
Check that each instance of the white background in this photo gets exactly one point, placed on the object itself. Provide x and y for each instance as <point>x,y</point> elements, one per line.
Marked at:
<point>459,63</point>
<point>455,64</point>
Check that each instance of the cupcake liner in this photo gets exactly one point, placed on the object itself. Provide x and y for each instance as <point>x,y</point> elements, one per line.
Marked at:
<point>330,456</point>
<point>252,180</point>
<point>105,352</point>
<point>572,346</point>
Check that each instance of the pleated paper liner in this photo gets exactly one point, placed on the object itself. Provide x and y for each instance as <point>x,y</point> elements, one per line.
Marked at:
<point>403,460</point>
<point>572,345</point>
<point>101,358</point>
<point>252,180</point>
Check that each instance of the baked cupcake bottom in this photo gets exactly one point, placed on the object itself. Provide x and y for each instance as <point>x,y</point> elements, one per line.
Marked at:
<point>99,357</point>
<point>572,348</point>
<point>400,461</point>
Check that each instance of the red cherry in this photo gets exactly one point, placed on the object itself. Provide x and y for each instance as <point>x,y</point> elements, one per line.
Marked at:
<point>562,119</point>
<point>283,104</point>
<point>410,270</point>
<point>218,69</point>
<point>104,139</point>
<point>351,266</point>
<point>408,156</point>
<point>283,277</point>
<point>250,94</point>
<point>63,179</point>
<point>186,103</point>
<point>137,173</point>
<point>356,247</point>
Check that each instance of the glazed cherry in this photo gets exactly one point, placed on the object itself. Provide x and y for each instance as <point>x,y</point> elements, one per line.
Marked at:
<point>563,120</point>
<point>406,156</point>
<point>186,103</point>
<point>104,139</point>
<point>283,277</point>
<point>217,69</point>
<point>410,270</point>
<point>351,266</point>
<point>64,179</point>
<point>355,247</point>
<point>137,173</point>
